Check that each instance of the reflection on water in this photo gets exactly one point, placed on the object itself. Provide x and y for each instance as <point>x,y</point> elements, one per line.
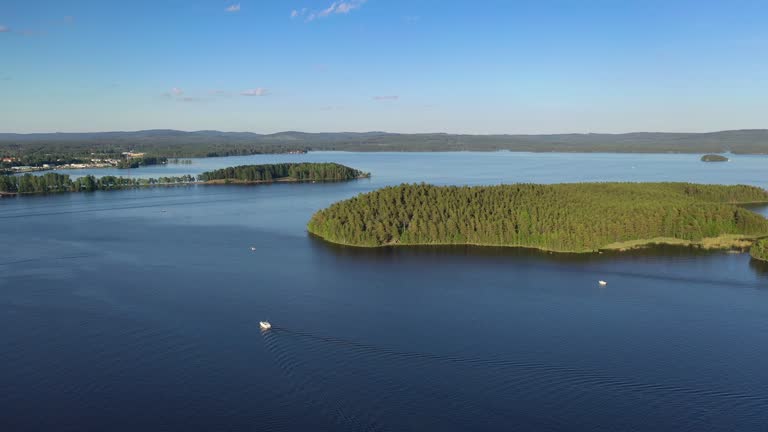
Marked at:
<point>605,261</point>
<point>495,251</point>
<point>760,268</point>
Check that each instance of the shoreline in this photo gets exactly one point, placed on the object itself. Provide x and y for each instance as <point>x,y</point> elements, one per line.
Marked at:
<point>376,150</point>
<point>193,183</point>
<point>280,180</point>
<point>725,242</point>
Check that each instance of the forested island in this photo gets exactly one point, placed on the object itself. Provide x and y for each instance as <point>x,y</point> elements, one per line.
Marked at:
<point>759,250</point>
<point>714,158</point>
<point>298,172</point>
<point>579,217</point>
<point>283,172</point>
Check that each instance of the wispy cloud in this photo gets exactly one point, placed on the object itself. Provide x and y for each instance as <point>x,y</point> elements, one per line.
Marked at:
<point>174,93</point>
<point>4,29</point>
<point>337,7</point>
<point>386,98</point>
<point>258,91</point>
<point>233,8</point>
<point>30,33</point>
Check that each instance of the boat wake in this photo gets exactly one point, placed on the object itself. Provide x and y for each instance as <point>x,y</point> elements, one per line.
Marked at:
<point>363,386</point>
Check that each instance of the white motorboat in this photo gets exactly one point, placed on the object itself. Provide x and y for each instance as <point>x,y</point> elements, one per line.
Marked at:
<point>265,325</point>
<point>602,283</point>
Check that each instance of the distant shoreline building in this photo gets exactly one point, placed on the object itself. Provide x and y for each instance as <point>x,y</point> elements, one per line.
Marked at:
<point>129,155</point>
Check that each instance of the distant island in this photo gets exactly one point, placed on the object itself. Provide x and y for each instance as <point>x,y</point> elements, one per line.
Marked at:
<point>91,149</point>
<point>579,217</point>
<point>283,172</point>
<point>714,158</point>
<point>138,161</point>
<point>759,250</point>
<point>11,185</point>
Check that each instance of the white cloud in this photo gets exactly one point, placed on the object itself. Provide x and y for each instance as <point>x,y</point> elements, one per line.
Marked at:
<point>386,98</point>
<point>233,8</point>
<point>337,7</point>
<point>258,91</point>
<point>4,29</point>
<point>298,13</point>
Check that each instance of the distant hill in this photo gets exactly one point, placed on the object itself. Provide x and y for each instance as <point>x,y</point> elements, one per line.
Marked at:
<point>173,143</point>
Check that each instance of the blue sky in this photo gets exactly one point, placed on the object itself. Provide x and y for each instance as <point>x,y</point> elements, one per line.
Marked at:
<point>394,65</point>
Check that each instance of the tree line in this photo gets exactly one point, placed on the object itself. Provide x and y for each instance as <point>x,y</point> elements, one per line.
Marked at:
<point>141,161</point>
<point>563,217</point>
<point>36,149</point>
<point>53,183</point>
<point>282,171</point>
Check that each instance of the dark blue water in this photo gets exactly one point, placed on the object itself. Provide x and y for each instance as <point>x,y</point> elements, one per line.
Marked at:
<point>117,315</point>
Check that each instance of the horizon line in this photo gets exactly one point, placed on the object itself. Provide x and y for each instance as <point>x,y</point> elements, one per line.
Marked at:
<point>387,133</point>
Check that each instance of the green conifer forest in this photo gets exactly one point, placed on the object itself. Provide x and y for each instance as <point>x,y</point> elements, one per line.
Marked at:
<point>579,217</point>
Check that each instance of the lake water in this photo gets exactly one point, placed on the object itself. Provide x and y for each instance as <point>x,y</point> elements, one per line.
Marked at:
<point>139,309</point>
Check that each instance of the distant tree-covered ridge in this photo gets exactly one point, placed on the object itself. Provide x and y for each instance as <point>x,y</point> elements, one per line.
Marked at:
<point>714,158</point>
<point>283,172</point>
<point>759,250</point>
<point>579,217</point>
<point>63,148</point>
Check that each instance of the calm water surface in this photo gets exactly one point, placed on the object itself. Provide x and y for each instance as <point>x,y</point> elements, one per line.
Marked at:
<point>138,310</point>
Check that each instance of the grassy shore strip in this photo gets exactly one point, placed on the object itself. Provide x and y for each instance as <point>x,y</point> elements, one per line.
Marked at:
<point>726,241</point>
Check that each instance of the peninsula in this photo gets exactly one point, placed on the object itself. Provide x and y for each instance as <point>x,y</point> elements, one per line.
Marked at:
<point>247,174</point>
<point>579,217</point>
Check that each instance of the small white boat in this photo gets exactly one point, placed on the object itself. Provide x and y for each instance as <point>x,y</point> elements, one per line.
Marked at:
<point>602,283</point>
<point>253,249</point>
<point>265,325</point>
